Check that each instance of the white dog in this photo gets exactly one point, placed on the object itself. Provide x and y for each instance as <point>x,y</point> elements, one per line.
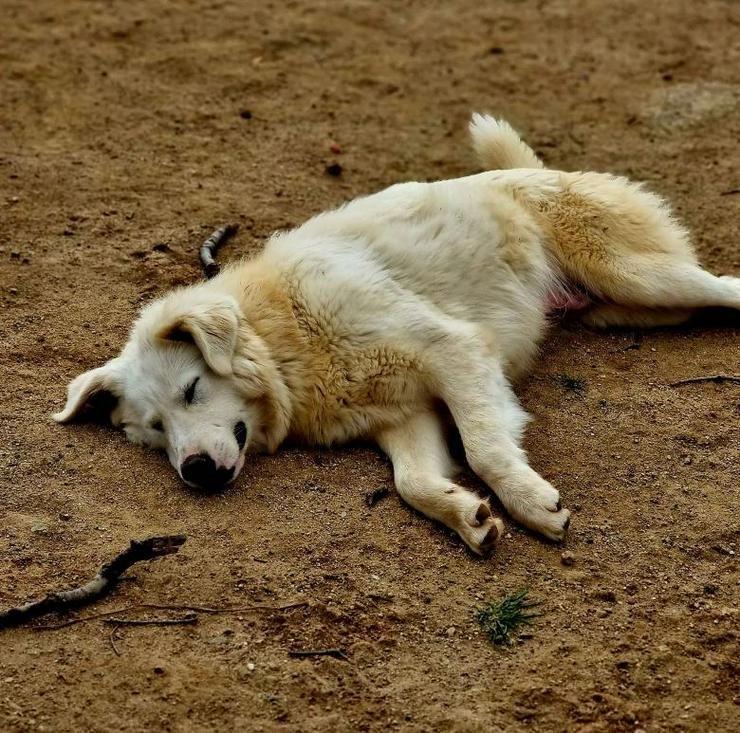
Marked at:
<point>383,318</point>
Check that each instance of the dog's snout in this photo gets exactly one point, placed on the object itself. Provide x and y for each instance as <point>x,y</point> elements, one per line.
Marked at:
<point>200,470</point>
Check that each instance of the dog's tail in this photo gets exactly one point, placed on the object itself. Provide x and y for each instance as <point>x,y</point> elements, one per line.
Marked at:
<point>498,145</point>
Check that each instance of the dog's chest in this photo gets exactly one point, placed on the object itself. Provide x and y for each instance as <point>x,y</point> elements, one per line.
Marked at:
<point>355,392</point>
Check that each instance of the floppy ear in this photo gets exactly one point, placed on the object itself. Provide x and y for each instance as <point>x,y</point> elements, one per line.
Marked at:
<point>94,392</point>
<point>212,327</point>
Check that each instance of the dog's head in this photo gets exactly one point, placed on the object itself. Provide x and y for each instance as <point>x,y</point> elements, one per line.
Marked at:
<point>193,380</point>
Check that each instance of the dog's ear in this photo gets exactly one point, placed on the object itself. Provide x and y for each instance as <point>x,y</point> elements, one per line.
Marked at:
<point>212,326</point>
<point>94,393</point>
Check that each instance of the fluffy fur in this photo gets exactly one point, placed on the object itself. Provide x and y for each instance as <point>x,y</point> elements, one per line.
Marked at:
<point>398,310</point>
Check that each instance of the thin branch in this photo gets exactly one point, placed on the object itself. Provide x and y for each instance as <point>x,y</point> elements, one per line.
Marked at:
<point>112,640</point>
<point>191,618</point>
<point>210,247</point>
<point>336,653</point>
<point>100,585</point>
<point>168,607</point>
<point>719,378</point>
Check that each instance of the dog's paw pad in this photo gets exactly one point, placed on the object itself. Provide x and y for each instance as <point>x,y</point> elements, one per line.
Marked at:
<point>482,539</point>
<point>495,531</point>
<point>482,513</point>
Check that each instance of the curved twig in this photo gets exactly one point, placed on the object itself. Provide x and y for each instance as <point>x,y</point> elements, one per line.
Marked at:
<point>100,585</point>
<point>711,378</point>
<point>210,247</point>
<point>168,607</point>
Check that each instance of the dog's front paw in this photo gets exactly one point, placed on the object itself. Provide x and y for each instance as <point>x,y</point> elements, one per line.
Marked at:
<point>552,524</point>
<point>480,529</point>
<point>540,509</point>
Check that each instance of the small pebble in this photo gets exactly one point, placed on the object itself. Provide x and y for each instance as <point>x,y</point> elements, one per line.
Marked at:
<point>334,147</point>
<point>65,517</point>
<point>250,666</point>
<point>567,558</point>
<point>13,291</point>
<point>334,169</point>
<point>451,631</point>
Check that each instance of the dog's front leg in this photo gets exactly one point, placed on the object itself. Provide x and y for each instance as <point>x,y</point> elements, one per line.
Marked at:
<point>421,469</point>
<point>491,421</point>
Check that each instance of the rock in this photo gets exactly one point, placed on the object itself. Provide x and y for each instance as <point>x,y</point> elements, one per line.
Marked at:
<point>687,105</point>
<point>567,558</point>
<point>606,595</point>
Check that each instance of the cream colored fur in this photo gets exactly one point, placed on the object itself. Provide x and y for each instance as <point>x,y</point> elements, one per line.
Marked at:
<point>377,319</point>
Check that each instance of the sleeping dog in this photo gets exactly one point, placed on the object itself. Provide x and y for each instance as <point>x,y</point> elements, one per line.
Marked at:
<point>391,314</point>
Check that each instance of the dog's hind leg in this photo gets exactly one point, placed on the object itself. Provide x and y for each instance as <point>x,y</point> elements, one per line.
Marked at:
<point>607,315</point>
<point>656,290</point>
<point>622,245</point>
<point>422,467</point>
<point>658,281</point>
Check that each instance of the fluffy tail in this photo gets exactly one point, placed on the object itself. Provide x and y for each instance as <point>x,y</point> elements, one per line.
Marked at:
<point>498,145</point>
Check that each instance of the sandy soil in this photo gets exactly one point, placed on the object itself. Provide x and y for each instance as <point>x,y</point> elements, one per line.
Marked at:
<point>127,131</point>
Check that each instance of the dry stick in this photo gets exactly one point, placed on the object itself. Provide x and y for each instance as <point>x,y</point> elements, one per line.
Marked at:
<point>101,584</point>
<point>210,247</point>
<point>191,618</point>
<point>712,378</point>
<point>112,640</point>
<point>336,653</point>
<point>169,607</point>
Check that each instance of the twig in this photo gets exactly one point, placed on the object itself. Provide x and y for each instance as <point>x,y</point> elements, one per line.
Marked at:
<point>112,640</point>
<point>730,192</point>
<point>210,247</point>
<point>100,585</point>
<point>191,618</point>
<point>711,378</point>
<point>336,653</point>
<point>169,607</point>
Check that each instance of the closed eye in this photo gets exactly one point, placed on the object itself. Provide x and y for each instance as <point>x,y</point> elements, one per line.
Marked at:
<point>190,391</point>
<point>157,425</point>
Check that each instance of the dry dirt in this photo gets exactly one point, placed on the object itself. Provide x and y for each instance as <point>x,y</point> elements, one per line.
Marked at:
<point>127,131</point>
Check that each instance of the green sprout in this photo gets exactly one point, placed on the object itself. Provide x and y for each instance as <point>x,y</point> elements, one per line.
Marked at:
<point>500,620</point>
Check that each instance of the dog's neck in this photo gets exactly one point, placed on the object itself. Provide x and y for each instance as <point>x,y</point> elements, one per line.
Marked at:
<point>276,344</point>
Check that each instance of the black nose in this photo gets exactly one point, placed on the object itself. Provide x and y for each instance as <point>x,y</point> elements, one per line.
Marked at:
<point>240,433</point>
<point>200,470</point>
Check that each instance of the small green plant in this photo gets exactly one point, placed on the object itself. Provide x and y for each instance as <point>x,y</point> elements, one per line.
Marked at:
<point>570,383</point>
<point>500,620</point>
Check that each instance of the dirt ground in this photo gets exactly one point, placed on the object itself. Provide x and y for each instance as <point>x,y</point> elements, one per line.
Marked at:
<point>127,132</point>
